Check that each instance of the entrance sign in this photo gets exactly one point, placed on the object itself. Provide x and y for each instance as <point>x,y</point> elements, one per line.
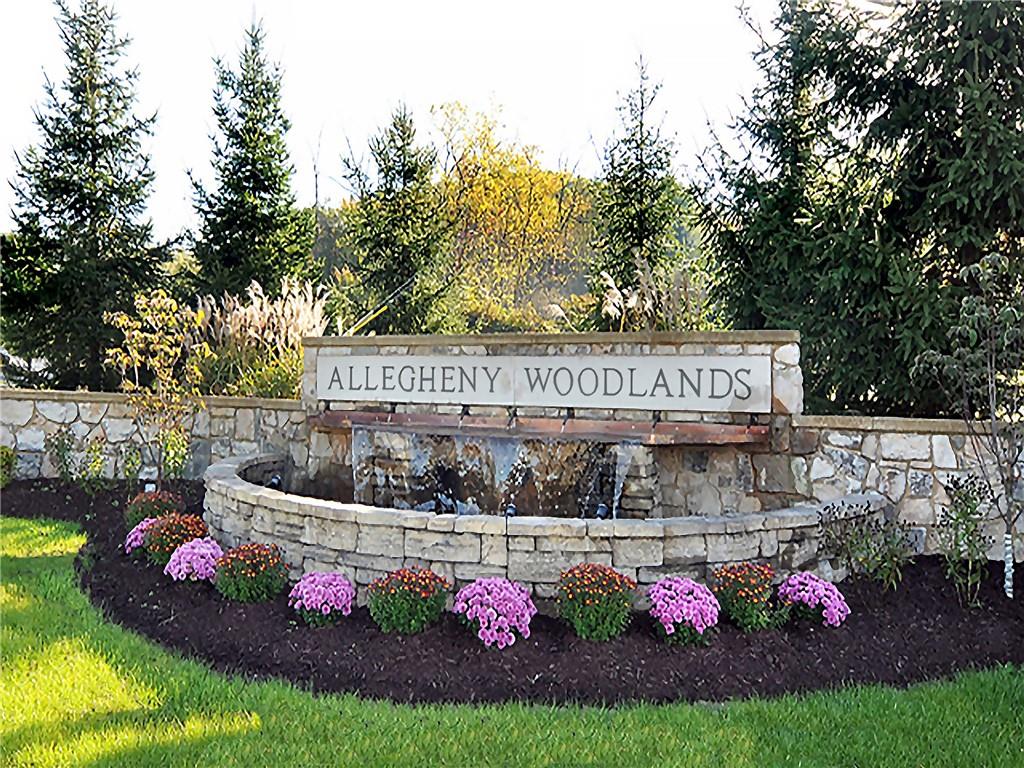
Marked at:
<point>715,383</point>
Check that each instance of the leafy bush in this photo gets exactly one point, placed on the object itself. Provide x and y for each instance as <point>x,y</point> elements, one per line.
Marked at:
<point>130,460</point>
<point>962,541</point>
<point>744,591</point>
<point>152,504</point>
<point>497,608</point>
<point>407,600</point>
<point>595,599</point>
<point>322,598</point>
<point>7,460</point>
<point>816,595</point>
<point>195,560</point>
<point>169,532</point>
<point>685,610</point>
<point>60,446</point>
<point>251,573</point>
<point>175,450</point>
<point>92,470</point>
<point>878,549</point>
<point>136,537</point>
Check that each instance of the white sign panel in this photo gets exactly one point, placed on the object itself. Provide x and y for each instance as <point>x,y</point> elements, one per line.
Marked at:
<point>722,383</point>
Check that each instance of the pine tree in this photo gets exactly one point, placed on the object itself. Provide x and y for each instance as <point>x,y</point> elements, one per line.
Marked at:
<point>81,244</point>
<point>638,200</point>
<point>250,227</point>
<point>400,232</point>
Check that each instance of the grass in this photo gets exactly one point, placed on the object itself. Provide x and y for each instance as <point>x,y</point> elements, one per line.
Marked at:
<point>78,691</point>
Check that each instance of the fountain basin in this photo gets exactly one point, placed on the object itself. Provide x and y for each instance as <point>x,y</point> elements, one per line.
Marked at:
<point>365,542</point>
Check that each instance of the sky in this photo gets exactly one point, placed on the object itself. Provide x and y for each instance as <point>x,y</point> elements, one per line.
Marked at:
<point>556,69</point>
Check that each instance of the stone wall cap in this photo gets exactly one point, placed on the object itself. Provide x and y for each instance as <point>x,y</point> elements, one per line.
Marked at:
<point>883,424</point>
<point>654,337</point>
<point>85,396</point>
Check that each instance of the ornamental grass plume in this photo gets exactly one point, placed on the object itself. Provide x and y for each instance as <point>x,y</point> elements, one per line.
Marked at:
<point>685,610</point>
<point>136,537</point>
<point>195,560</point>
<point>321,598</point>
<point>498,608</point>
<point>816,595</point>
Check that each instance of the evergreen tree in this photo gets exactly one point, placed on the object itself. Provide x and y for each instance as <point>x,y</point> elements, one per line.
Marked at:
<point>878,161</point>
<point>81,244</point>
<point>250,226</point>
<point>399,230</point>
<point>638,200</point>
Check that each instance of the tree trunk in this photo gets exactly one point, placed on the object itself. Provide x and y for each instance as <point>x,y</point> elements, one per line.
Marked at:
<point>1008,564</point>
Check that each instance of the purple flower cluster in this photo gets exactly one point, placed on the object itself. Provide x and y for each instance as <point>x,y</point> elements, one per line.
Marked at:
<point>678,602</point>
<point>137,536</point>
<point>813,592</point>
<point>498,606</point>
<point>321,597</point>
<point>195,560</point>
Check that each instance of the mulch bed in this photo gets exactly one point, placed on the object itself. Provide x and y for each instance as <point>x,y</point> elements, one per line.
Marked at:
<point>914,634</point>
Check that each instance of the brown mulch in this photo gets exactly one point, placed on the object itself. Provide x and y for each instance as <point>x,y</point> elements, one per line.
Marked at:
<point>916,633</point>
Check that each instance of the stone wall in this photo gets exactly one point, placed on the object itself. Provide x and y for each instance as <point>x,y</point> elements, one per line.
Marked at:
<point>366,542</point>
<point>227,427</point>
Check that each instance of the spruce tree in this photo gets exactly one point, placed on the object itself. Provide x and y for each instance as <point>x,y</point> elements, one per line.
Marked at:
<point>638,199</point>
<point>399,230</point>
<point>250,226</point>
<point>81,244</point>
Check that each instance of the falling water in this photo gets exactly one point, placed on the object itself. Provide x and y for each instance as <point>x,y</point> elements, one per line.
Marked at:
<point>622,461</point>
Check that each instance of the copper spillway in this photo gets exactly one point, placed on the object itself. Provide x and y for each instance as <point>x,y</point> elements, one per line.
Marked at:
<point>645,433</point>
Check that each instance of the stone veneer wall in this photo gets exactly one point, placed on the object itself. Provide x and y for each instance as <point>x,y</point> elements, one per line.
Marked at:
<point>366,542</point>
<point>229,426</point>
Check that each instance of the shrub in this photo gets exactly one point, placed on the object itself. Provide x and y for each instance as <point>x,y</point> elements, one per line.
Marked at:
<point>251,573</point>
<point>685,610</point>
<point>878,549</point>
<point>744,591</point>
<point>815,595</point>
<point>195,560</point>
<point>152,504</point>
<point>7,460</point>
<point>92,469</point>
<point>595,599</point>
<point>60,446</point>
<point>497,608</point>
<point>322,598</point>
<point>136,537</point>
<point>962,541</point>
<point>169,532</point>
<point>407,600</point>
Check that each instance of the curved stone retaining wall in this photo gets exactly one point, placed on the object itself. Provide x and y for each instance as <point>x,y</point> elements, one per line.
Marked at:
<point>365,542</point>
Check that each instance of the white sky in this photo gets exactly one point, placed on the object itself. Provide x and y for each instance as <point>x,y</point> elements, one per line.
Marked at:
<point>556,68</point>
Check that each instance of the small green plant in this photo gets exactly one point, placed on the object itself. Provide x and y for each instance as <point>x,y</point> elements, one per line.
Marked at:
<point>8,458</point>
<point>175,451</point>
<point>60,446</point>
<point>865,544</point>
<point>130,460</point>
<point>408,600</point>
<point>744,591</point>
<point>251,573</point>
<point>170,532</point>
<point>962,541</point>
<point>596,600</point>
<point>92,470</point>
<point>151,504</point>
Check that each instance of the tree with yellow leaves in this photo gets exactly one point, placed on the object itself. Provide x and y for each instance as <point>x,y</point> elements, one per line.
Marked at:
<point>521,230</point>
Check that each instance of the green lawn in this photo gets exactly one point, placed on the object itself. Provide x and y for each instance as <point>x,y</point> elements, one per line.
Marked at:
<point>75,690</point>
